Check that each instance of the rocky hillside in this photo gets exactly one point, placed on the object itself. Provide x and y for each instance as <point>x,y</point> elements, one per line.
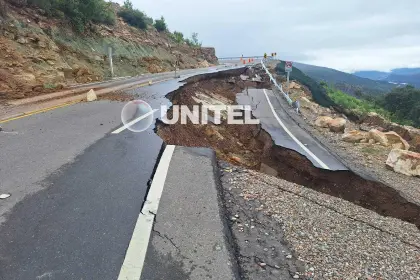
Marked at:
<point>40,53</point>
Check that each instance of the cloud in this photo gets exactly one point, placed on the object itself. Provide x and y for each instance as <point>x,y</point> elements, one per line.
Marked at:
<point>347,35</point>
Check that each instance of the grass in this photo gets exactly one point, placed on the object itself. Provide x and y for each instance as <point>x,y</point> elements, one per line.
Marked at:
<point>370,151</point>
<point>361,106</point>
<point>50,86</point>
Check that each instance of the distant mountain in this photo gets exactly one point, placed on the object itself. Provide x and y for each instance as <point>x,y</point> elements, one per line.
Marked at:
<point>406,71</point>
<point>413,79</point>
<point>344,81</point>
<point>397,76</point>
<point>373,75</point>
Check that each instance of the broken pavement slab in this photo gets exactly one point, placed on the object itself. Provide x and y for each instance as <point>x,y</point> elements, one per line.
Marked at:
<point>189,237</point>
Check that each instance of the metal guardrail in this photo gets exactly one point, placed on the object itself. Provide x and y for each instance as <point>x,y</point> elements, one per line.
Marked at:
<point>280,87</point>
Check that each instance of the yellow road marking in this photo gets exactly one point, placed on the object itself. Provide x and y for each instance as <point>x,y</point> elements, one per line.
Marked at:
<point>38,112</point>
<point>24,115</point>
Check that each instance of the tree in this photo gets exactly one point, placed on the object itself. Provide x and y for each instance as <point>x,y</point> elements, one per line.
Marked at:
<point>133,16</point>
<point>160,24</point>
<point>193,42</point>
<point>194,39</point>
<point>128,5</point>
<point>178,37</point>
<point>80,13</point>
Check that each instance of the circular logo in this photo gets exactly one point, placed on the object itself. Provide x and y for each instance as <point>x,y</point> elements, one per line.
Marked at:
<point>137,115</point>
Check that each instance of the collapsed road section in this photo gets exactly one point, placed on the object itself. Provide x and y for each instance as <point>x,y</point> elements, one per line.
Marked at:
<point>246,152</point>
<point>251,146</point>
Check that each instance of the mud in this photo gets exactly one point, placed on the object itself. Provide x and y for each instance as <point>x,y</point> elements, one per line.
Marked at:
<point>250,146</point>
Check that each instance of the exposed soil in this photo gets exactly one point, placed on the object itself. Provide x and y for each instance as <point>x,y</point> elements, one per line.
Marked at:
<point>250,146</point>
<point>40,54</point>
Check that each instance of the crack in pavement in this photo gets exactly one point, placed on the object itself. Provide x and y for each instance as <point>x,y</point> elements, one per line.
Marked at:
<point>164,236</point>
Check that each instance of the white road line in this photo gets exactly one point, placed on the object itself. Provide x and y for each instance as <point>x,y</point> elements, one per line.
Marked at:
<point>136,252</point>
<point>124,127</point>
<point>320,162</point>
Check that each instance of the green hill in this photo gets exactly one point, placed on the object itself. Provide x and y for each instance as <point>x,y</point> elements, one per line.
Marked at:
<point>346,82</point>
<point>319,93</point>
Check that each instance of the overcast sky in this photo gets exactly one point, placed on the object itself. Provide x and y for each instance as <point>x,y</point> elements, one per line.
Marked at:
<point>347,35</point>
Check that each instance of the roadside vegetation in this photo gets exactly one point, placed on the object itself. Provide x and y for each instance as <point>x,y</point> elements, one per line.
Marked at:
<point>78,12</point>
<point>82,12</point>
<point>319,93</point>
<point>401,105</point>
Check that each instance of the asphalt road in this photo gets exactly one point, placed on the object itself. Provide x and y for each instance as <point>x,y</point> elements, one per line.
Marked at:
<point>284,131</point>
<point>76,188</point>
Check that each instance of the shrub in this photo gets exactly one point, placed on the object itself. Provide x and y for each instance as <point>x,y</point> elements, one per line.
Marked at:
<point>160,24</point>
<point>178,37</point>
<point>193,42</point>
<point>134,18</point>
<point>79,12</point>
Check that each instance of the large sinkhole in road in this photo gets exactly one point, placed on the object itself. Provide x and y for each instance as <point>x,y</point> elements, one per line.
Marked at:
<point>252,147</point>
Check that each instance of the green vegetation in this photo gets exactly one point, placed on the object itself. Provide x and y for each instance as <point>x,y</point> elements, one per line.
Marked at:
<point>178,37</point>
<point>344,81</point>
<point>160,24</point>
<point>401,105</point>
<point>79,12</point>
<point>370,150</point>
<point>318,92</point>
<point>359,106</point>
<point>50,86</point>
<point>133,16</point>
<point>193,42</point>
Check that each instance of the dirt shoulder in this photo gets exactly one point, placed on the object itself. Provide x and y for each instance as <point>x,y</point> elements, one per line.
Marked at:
<point>283,230</point>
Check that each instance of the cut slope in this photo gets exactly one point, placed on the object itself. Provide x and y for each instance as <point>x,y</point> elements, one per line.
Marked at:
<point>39,53</point>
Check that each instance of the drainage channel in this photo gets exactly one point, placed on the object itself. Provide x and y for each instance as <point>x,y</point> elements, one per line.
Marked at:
<point>252,147</point>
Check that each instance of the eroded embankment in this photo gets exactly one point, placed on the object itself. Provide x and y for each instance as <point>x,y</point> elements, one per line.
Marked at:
<point>252,147</point>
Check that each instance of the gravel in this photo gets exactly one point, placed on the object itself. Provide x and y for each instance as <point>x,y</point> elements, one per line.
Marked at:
<point>334,238</point>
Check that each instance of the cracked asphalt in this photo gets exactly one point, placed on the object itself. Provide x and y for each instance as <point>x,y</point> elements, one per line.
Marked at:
<point>179,248</point>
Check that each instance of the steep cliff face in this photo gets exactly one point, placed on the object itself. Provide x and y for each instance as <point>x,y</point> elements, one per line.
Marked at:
<point>38,53</point>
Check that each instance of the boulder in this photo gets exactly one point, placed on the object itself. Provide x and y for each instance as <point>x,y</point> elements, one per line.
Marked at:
<point>323,121</point>
<point>414,135</point>
<point>405,162</point>
<point>91,96</point>
<point>373,118</point>
<point>294,85</point>
<point>337,125</point>
<point>399,129</point>
<point>25,78</point>
<point>395,139</point>
<point>378,136</point>
<point>22,40</point>
<point>354,136</point>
